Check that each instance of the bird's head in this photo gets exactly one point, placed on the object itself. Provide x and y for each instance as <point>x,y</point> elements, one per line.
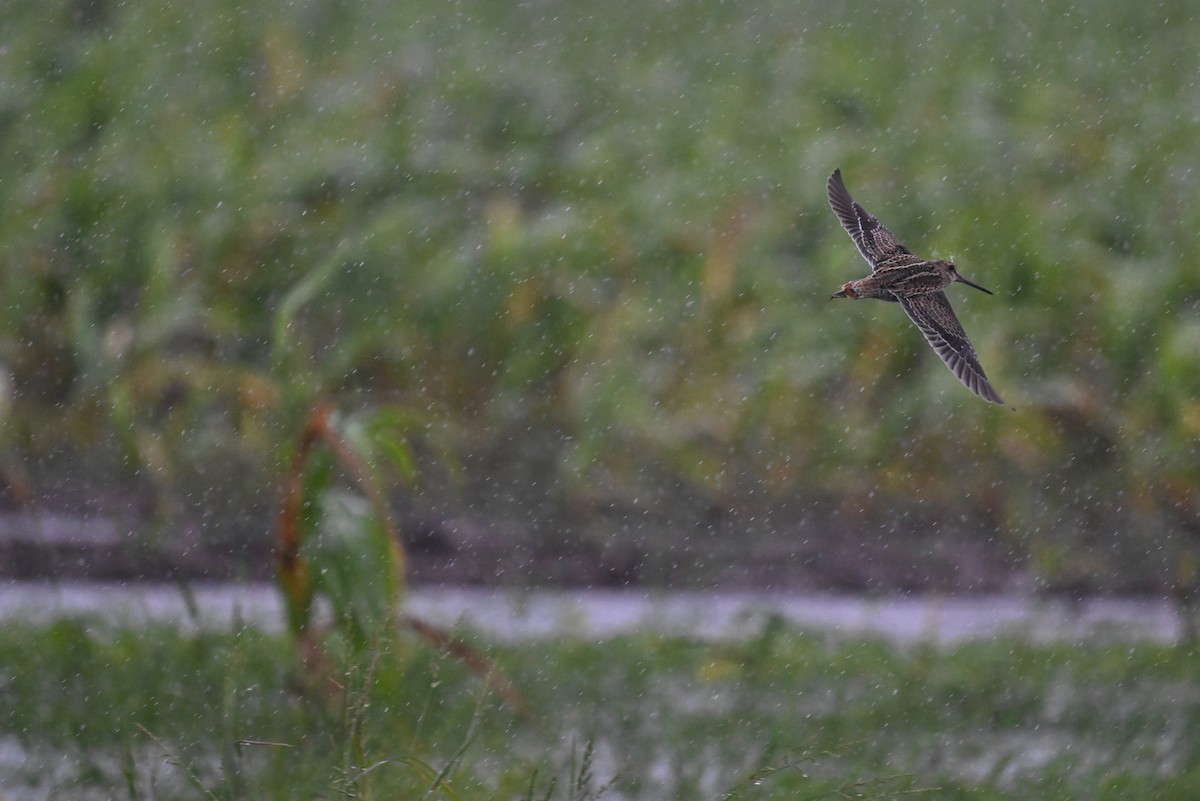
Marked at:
<point>955,276</point>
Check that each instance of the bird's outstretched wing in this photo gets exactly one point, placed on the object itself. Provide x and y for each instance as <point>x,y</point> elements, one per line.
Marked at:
<point>877,244</point>
<point>932,314</point>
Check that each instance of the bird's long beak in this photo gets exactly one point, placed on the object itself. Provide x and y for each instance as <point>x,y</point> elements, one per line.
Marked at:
<point>972,283</point>
<point>841,293</point>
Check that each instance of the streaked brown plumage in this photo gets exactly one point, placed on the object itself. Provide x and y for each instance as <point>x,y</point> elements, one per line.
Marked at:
<point>915,283</point>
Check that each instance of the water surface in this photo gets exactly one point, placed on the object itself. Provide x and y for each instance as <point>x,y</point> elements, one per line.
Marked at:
<point>517,615</point>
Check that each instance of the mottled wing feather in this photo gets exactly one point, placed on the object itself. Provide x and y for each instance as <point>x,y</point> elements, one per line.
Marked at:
<point>877,244</point>
<point>933,315</point>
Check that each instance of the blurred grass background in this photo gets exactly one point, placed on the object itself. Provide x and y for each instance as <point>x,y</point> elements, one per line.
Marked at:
<point>591,252</point>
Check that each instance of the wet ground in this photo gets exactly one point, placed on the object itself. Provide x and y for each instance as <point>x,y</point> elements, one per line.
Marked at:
<point>819,555</point>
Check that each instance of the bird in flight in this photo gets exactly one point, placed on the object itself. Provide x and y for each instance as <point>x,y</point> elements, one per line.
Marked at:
<point>915,283</point>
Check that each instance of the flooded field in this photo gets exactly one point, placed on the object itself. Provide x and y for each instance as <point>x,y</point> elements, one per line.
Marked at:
<point>173,691</point>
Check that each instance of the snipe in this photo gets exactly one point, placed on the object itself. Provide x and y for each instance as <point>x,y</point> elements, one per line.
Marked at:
<point>915,283</point>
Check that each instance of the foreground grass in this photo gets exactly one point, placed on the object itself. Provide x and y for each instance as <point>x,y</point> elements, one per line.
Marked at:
<point>118,713</point>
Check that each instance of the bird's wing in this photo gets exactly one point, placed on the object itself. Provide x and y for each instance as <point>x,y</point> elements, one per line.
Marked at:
<point>932,314</point>
<point>876,243</point>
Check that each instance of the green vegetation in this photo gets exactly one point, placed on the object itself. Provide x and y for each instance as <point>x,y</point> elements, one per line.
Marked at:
<point>591,253</point>
<point>95,712</point>
<point>578,263</point>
